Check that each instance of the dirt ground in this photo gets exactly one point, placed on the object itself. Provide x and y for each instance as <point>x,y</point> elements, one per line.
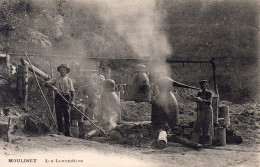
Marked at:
<point>55,150</point>
<point>93,153</point>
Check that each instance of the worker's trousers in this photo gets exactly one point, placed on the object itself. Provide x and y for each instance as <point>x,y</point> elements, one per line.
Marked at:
<point>62,111</point>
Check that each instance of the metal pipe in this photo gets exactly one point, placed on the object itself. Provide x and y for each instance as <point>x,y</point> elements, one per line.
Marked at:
<point>178,84</point>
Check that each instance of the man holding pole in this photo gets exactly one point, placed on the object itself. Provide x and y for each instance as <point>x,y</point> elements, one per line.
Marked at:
<point>204,122</point>
<point>63,88</point>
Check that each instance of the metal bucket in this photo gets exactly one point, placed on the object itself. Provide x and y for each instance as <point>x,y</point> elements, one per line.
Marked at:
<point>220,136</point>
<point>224,113</point>
<point>81,129</point>
<point>75,131</point>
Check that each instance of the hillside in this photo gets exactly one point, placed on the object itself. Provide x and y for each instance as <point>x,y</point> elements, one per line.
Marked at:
<point>195,30</point>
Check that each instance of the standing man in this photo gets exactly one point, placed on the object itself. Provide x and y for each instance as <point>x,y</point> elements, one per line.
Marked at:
<point>96,79</point>
<point>62,86</point>
<point>203,128</point>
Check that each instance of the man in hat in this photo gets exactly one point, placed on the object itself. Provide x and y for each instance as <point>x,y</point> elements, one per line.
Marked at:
<point>203,128</point>
<point>63,87</point>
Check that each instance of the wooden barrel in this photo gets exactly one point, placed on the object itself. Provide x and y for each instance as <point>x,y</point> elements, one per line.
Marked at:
<point>220,136</point>
<point>224,113</point>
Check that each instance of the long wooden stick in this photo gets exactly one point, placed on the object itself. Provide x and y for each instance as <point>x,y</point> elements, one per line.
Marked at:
<point>123,109</point>
<point>49,108</point>
<point>82,114</point>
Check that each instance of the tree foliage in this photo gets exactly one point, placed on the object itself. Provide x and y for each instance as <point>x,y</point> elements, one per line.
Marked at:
<point>195,29</point>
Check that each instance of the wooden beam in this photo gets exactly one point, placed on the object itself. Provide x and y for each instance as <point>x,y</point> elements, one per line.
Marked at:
<point>38,72</point>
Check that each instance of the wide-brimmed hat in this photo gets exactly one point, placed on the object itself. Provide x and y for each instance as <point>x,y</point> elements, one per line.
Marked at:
<point>203,82</point>
<point>63,66</point>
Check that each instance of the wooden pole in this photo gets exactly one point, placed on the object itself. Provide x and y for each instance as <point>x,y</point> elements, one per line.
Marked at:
<point>107,72</point>
<point>19,81</point>
<point>53,94</point>
<point>36,70</point>
<point>25,84</point>
<point>49,108</point>
<point>8,129</point>
<point>83,114</point>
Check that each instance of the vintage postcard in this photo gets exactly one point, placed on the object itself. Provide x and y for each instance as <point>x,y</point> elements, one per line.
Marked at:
<point>120,83</point>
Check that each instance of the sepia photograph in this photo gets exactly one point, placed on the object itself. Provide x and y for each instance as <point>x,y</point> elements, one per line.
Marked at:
<point>129,83</point>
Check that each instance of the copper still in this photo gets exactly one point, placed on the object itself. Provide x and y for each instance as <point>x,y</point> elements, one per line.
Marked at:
<point>139,90</point>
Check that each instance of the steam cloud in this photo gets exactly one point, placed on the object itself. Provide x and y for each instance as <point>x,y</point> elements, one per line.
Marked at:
<point>139,23</point>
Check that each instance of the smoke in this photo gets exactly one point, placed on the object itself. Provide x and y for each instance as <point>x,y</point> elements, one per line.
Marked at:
<point>140,25</point>
<point>108,110</point>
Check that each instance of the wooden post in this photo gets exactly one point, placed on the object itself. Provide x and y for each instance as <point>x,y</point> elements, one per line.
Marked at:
<point>215,106</point>
<point>53,94</point>
<point>25,84</point>
<point>8,130</point>
<point>20,83</point>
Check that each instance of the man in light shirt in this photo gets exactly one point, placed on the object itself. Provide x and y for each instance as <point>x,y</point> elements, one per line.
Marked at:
<point>62,85</point>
